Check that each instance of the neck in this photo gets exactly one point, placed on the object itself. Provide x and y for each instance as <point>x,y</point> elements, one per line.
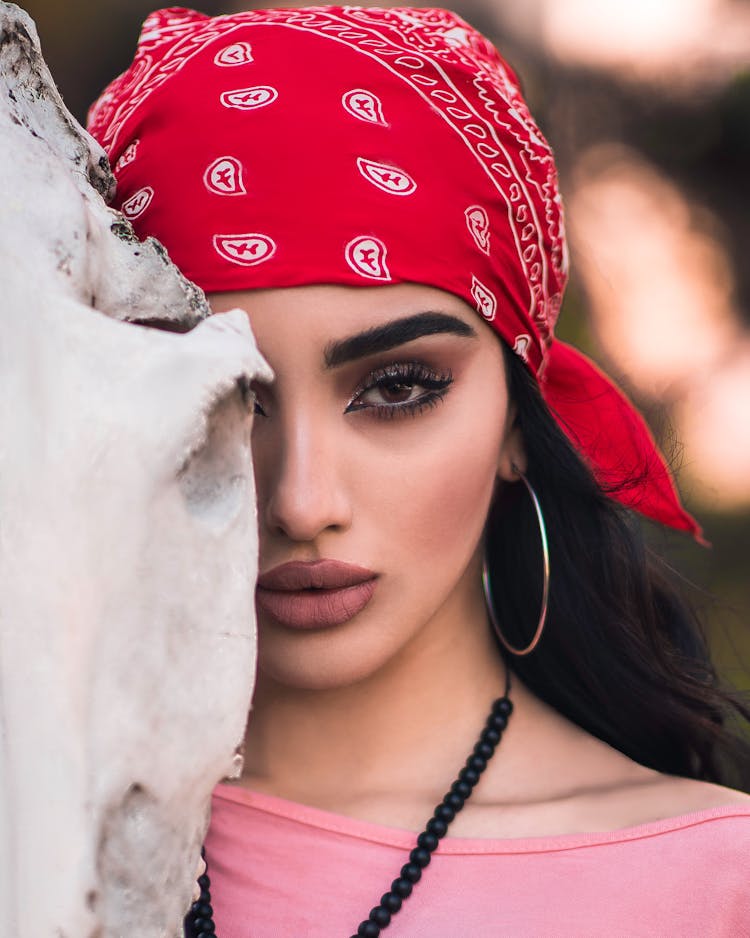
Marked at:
<point>405,729</point>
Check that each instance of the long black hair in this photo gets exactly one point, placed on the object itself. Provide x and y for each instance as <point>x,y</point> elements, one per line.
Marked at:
<point>622,655</point>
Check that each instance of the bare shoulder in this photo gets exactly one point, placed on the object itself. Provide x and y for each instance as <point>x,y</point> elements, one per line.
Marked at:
<point>630,795</point>
<point>552,778</point>
<point>688,795</point>
<point>579,784</point>
<point>625,795</point>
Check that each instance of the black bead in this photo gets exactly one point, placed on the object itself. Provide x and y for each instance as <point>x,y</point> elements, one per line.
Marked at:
<point>445,811</point>
<point>411,872</point>
<point>402,887</point>
<point>202,924</point>
<point>391,901</point>
<point>427,840</point>
<point>420,857</point>
<point>201,909</point>
<point>437,826</point>
<point>380,916</point>
<point>461,788</point>
<point>204,882</point>
<point>491,735</point>
<point>498,721</point>
<point>454,800</point>
<point>478,763</point>
<point>470,776</point>
<point>368,929</point>
<point>502,705</point>
<point>484,749</point>
<point>207,932</point>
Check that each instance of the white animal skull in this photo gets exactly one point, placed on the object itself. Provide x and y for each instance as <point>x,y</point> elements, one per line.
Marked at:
<point>128,544</point>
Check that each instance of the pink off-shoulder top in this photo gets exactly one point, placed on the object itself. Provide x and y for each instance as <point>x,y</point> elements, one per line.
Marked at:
<point>283,870</point>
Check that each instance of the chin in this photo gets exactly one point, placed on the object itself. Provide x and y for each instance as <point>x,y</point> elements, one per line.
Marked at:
<point>324,660</point>
<point>323,676</point>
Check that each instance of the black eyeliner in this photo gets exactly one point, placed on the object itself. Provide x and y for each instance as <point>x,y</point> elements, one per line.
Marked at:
<point>418,374</point>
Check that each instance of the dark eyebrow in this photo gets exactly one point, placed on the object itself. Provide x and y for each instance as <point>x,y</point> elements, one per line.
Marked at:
<point>383,338</point>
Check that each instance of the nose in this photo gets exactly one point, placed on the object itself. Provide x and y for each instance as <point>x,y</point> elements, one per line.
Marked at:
<point>302,492</point>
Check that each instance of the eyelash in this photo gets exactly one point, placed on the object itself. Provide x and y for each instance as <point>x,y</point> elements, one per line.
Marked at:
<point>417,374</point>
<point>406,373</point>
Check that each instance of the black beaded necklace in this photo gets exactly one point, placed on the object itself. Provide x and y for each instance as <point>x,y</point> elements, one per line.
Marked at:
<point>200,923</point>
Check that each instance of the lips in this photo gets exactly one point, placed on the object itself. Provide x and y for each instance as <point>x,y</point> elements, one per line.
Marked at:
<point>315,595</point>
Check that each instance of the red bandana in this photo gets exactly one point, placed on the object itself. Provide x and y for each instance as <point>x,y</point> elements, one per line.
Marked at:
<point>276,148</point>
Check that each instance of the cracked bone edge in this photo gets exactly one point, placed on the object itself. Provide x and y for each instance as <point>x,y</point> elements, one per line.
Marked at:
<point>128,541</point>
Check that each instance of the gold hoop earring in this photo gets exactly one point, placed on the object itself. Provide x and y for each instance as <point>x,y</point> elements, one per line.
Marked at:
<point>520,652</point>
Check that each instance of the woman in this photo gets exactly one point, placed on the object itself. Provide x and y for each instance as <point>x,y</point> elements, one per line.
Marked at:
<point>369,185</point>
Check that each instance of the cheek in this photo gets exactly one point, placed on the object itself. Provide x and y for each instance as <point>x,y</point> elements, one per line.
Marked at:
<point>451,506</point>
<point>432,495</point>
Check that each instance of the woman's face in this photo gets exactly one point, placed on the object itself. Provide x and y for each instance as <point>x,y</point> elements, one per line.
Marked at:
<point>377,446</point>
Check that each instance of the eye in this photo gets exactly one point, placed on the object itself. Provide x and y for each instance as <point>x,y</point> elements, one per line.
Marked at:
<point>401,388</point>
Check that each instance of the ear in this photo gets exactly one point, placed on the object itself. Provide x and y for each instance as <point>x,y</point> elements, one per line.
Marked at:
<point>512,455</point>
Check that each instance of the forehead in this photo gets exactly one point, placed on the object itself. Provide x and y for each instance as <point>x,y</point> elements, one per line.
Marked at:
<point>329,312</point>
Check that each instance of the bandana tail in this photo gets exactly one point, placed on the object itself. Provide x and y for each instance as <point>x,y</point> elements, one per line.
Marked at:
<point>613,438</point>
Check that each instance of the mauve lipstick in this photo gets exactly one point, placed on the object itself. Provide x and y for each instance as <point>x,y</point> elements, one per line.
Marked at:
<point>315,595</point>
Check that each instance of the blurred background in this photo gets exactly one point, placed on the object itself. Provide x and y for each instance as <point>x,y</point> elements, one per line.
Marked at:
<point>647,106</point>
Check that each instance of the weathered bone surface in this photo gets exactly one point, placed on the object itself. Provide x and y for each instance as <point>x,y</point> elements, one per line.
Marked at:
<point>128,546</point>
